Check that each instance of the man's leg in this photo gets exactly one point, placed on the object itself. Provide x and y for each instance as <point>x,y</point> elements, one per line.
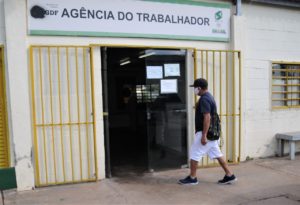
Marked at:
<point>224,165</point>
<point>195,153</point>
<point>192,178</point>
<point>229,177</point>
<point>194,165</point>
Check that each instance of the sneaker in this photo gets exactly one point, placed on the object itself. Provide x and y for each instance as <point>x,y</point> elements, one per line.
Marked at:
<point>227,179</point>
<point>188,181</point>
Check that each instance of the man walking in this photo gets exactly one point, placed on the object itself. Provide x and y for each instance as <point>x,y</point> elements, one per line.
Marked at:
<point>205,107</point>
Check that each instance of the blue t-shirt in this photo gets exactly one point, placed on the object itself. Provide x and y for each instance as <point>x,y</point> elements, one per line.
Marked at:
<point>206,104</point>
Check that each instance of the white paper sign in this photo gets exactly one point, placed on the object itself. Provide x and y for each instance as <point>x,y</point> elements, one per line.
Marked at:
<point>168,86</point>
<point>172,70</point>
<point>190,20</point>
<point>154,72</point>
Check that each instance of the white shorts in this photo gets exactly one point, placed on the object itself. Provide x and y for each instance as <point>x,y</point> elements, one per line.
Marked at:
<point>198,150</point>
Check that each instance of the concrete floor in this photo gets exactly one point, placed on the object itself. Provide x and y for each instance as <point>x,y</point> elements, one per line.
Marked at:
<point>263,181</point>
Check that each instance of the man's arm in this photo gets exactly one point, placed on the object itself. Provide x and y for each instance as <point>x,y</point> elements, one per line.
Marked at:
<point>206,123</point>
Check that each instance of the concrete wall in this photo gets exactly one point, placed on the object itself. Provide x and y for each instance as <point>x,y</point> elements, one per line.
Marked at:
<point>18,92</point>
<point>272,34</point>
<point>2,28</point>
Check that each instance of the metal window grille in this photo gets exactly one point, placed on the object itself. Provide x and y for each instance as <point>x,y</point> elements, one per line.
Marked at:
<point>147,93</point>
<point>285,85</point>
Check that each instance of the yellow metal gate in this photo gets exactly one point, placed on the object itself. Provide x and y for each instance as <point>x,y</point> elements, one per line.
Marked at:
<point>222,69</point>
<point>64,128</point>
<point>4,145</point>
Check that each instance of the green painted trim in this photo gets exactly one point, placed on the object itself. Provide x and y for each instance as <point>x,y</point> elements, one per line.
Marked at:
<point>129,35</point>
<point>8,178</point>
<point>189,2</point>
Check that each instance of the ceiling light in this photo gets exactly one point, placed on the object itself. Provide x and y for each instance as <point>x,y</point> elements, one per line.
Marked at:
<point>125,62</point>
<point>147,54</point>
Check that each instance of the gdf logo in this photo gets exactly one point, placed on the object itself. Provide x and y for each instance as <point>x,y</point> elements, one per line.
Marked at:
<point>39,12</point>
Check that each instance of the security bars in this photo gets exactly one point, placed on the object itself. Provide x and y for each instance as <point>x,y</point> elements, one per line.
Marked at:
<point>62,100</point>
<point>222,69</point>
<point>285,85</point>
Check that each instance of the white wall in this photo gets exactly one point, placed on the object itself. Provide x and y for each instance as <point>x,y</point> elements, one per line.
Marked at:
<point>18,91</point>
<point>2,27</point>
<point>272,34</point>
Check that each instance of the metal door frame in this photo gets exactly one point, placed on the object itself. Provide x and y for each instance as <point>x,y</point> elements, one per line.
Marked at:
<point>105,112</point>
<point>188,102</point>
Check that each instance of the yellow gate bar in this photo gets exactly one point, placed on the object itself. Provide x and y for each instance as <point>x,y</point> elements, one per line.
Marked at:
<point>37,175</point>
<point>86,111</point>
<point>69,109</point>
<point>240,105</point>
<point>51,109</point>
<point>60,113</point>
<point>78,111</point>
<point>94,111</point>
<point>233,107</point>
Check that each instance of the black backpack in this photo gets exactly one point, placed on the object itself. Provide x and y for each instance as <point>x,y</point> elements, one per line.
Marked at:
<point>214,130</point>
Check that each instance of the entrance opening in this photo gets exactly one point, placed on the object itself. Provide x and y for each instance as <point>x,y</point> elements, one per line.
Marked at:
<point>145,98</point>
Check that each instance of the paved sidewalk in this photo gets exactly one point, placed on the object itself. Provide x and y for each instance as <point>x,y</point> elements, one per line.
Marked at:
<point>264,181</point>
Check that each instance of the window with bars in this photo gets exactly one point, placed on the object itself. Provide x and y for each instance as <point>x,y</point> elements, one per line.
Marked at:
<point>285,85</point>
<point>147,93</point>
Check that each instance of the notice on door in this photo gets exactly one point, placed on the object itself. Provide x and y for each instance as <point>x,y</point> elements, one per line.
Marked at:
<point>172,70</point>
<point>168,86</point>
<point>154,72</point>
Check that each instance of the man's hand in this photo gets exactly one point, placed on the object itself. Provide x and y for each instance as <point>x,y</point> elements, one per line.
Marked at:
<point>203,140</point>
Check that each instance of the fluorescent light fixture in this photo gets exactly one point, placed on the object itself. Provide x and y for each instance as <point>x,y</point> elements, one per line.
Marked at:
<point>125,62</point>
<point>147,54</point>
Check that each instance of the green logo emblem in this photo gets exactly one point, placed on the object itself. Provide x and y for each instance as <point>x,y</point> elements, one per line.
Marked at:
<point>218,15</point>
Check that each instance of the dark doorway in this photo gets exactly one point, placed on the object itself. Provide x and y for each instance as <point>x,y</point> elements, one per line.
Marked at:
<point>145,100</point>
